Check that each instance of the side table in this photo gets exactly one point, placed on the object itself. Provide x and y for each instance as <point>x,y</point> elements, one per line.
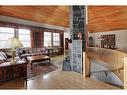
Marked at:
<point>50,52</point>
<point>10,71</point>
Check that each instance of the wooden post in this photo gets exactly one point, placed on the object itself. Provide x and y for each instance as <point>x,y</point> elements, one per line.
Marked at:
<point>86,65</point>
<point>125,73</point>
<point>84,75</point>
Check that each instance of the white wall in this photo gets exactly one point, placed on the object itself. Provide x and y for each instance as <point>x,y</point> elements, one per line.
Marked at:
<point>109,78</point>
<point>121,38</point>
<point>121,43</point>
<point>27,22</point>
<point>66,34</point>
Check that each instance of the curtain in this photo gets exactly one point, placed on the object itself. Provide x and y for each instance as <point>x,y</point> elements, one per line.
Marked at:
<point>37,37</point>
<point>62,42</point>
<point>37,33</point>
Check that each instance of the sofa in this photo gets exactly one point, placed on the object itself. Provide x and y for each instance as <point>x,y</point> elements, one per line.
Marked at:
<point>24,52</point>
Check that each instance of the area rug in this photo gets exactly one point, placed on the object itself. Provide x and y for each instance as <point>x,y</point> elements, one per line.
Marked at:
<point>38,69</point>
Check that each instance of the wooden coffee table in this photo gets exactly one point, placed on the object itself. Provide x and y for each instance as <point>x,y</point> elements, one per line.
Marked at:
<point>38,58</point>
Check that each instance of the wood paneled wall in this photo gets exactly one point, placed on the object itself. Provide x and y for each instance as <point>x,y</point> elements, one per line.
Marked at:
<point>107,18</point>
<point>53,15</point>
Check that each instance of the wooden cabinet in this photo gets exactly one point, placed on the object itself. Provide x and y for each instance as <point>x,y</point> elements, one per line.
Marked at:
<point>10,71</point>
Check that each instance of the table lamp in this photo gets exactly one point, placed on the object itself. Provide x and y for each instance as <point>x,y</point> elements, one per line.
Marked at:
<point>49,45</point>
<point>13,43</point>
<point>125,60</point>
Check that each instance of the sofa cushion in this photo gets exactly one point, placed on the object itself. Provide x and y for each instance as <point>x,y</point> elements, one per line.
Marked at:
<point>39,50</point>
<point>25,51</point>
<point>32,50</point>
<point>44,49</point>
<point>24,55</point>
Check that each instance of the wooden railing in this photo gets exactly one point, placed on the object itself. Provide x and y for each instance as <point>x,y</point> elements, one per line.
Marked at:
<point>111,59</point>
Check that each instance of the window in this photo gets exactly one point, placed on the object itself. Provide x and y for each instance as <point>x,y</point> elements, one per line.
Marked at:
<point>5,34</point>
<point>56,39</point>
<point>47,38</point>
<point>51,39</point>
<point>24,37</point>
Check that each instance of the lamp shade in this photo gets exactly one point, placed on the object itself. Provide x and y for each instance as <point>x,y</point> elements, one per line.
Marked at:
<point>125,60</point>
<point>13,43</point>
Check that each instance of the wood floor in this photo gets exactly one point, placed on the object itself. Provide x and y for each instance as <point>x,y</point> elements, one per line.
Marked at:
<point>14,84</point>
<point>65,80</point>
<point>57,80</point>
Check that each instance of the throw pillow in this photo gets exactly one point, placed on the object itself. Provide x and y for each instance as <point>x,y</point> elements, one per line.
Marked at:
<point>3,55</point>
<point>1,58</point>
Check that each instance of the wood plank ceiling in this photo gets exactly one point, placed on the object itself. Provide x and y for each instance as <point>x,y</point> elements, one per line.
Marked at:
<point>107,18</point>
<point>53,15</point>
